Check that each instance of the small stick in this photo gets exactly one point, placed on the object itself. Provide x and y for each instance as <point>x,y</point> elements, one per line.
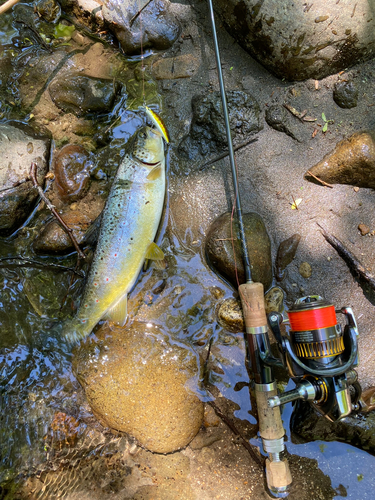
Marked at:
<point>226,153</point>
<point>319,180</point>
<point>137,14</point>
<point>53,210</point>
<point>8,5</point>
<point>235,431</point>
<point>349,258</point>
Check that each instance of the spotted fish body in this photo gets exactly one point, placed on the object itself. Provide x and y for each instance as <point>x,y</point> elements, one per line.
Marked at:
<point>129,224</point>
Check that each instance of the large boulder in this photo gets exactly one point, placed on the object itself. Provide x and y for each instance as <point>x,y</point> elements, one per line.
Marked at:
<point>139,381</point>
<point>300,40</point>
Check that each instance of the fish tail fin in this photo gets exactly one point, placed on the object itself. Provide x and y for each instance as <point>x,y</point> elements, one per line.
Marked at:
<point>74,331</point>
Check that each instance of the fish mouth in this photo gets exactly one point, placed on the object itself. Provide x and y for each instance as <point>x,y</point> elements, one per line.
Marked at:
<point>151,164</point>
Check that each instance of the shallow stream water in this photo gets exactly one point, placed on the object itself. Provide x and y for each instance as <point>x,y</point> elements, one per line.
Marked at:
<point>35,366</point>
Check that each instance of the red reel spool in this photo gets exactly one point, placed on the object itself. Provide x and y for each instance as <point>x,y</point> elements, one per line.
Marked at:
<point>312,319</point>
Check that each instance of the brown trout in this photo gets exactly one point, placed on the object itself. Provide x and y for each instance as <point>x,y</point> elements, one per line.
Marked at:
<point>129,224</point>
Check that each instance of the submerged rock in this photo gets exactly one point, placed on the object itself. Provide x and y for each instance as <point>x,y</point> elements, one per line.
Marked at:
<point>72,166</point>
<point>139,381</point>
<point>82,94</point>
<point>53,239</point>
<point>274,300</point>
<point>300,40</point>
<point>285,254</point>
<point>20,145</point>
<point>357,430</point>
<point>207,131</point>
<point>351,162</point>
<point>230,315</point>
<point>154,28</point>
<point>219,249</point>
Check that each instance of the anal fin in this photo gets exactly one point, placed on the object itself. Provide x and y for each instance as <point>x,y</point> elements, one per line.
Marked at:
<point>156,254</point>
<point>119,312</point>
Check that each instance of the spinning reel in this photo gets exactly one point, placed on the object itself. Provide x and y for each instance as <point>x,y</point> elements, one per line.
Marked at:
<point>320,356</point>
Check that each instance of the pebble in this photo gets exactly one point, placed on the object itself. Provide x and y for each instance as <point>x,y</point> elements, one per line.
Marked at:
<point>363,229</point>
<point>305,270</point>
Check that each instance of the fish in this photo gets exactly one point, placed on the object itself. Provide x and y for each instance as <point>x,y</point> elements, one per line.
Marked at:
<point>130,221</point>
<point>158,122</point>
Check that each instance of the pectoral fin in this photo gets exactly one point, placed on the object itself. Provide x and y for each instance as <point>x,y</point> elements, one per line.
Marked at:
<point>119,312</point>
<point>155,173</point>
<point>156,254</point>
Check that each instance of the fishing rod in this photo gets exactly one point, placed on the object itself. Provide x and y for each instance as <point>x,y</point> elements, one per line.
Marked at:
<point>252,298</point>
<point>317,352</point>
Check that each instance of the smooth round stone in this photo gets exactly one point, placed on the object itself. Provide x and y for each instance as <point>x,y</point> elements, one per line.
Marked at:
<point>139,381</point>
<point>229,264</point>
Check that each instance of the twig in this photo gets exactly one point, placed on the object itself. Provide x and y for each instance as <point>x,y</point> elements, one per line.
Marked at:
<point>53,210</point>
<point>226,153</point>
<point>319,180</point>
<point>251,449</point>
<point>349,258</point>
<point>292,110</point>
<point>31,263</point>
<point>137,14</point>
<point>8,5</point>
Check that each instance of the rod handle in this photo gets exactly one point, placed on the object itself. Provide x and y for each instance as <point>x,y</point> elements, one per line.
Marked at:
<point>253,306</point>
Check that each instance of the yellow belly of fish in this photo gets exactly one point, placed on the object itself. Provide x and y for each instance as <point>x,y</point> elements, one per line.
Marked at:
<point>119,257</point>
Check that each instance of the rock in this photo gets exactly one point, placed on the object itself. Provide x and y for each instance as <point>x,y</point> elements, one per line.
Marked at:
<point>305,270</point>
<point>72,166</point>
<point>357,430</point>
<point>297,40</point>
<point>82,94</point>
<point>219,249</point>
<point>183,66</point>
<point>49,10</point>
<point>363,229</point>
<point>230,315</point>
<point>274,300</point>
<point>345,94</point>
<point>53,239</point>
<point>139,381</point>
<point>207,131</point>
<point>281,120</point>
<point>285,254</point>
<point>156,28</point>
<point>351,162</point>
<point>20,145</point>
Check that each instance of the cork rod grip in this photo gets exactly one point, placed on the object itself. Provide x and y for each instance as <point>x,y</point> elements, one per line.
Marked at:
<point>252,298</point>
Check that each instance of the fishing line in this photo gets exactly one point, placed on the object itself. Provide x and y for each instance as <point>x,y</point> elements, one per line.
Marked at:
<point>140,10</point>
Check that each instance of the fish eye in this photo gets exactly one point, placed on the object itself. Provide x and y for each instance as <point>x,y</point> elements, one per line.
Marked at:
<point>142,135</point>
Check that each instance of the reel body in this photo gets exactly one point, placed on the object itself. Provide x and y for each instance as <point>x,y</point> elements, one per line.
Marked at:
<point>320,357</point>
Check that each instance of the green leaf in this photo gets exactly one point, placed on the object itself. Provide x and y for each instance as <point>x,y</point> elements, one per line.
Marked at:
<point>325,127</point>
<point>63,31</point>
<point>324,117</point>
